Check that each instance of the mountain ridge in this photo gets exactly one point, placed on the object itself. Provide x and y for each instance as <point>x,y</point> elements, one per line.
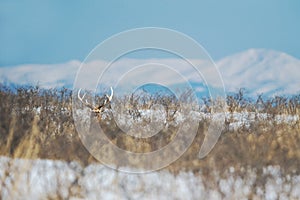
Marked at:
<point>257,70</point>
<point>261,71</point>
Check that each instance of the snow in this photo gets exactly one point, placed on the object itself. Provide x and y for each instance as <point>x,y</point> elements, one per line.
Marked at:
<point>275,73</point>
<point>265,67</point>
<point>40,179</point>
<point>236,119</point>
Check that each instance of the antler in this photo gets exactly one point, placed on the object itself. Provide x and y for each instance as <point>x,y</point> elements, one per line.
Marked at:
<point>96,109</point>
<point>109,98</point>
<point>86,103</point>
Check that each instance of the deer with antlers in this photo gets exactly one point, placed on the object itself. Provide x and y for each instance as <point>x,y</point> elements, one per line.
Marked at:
<point>104,101</point>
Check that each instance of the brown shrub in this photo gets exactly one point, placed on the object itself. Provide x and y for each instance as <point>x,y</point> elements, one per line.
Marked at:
<point>37,123</point>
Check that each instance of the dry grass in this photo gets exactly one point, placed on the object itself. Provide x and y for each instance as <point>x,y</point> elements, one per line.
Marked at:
<point>36,123</point>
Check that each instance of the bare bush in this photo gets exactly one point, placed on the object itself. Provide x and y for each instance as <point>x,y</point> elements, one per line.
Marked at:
<point>38,123</point>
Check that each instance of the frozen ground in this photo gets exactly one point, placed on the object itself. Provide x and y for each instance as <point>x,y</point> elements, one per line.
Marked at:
<point>45,179</point>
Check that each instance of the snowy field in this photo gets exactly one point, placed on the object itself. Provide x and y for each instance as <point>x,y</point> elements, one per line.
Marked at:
<point>235,120</point>
<point>46,179</point>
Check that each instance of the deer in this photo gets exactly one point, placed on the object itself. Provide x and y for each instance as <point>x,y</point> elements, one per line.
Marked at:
<point>104,101</point>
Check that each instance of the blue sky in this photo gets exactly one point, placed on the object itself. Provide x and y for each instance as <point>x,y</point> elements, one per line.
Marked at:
<point>46,32</point>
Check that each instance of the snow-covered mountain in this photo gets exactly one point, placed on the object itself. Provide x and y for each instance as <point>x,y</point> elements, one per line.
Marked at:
<point>257,70</point>
<point>46,76</point>
<point>261,71</point>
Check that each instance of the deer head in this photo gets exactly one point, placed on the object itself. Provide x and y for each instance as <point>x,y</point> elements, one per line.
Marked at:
<point>96,108</point>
